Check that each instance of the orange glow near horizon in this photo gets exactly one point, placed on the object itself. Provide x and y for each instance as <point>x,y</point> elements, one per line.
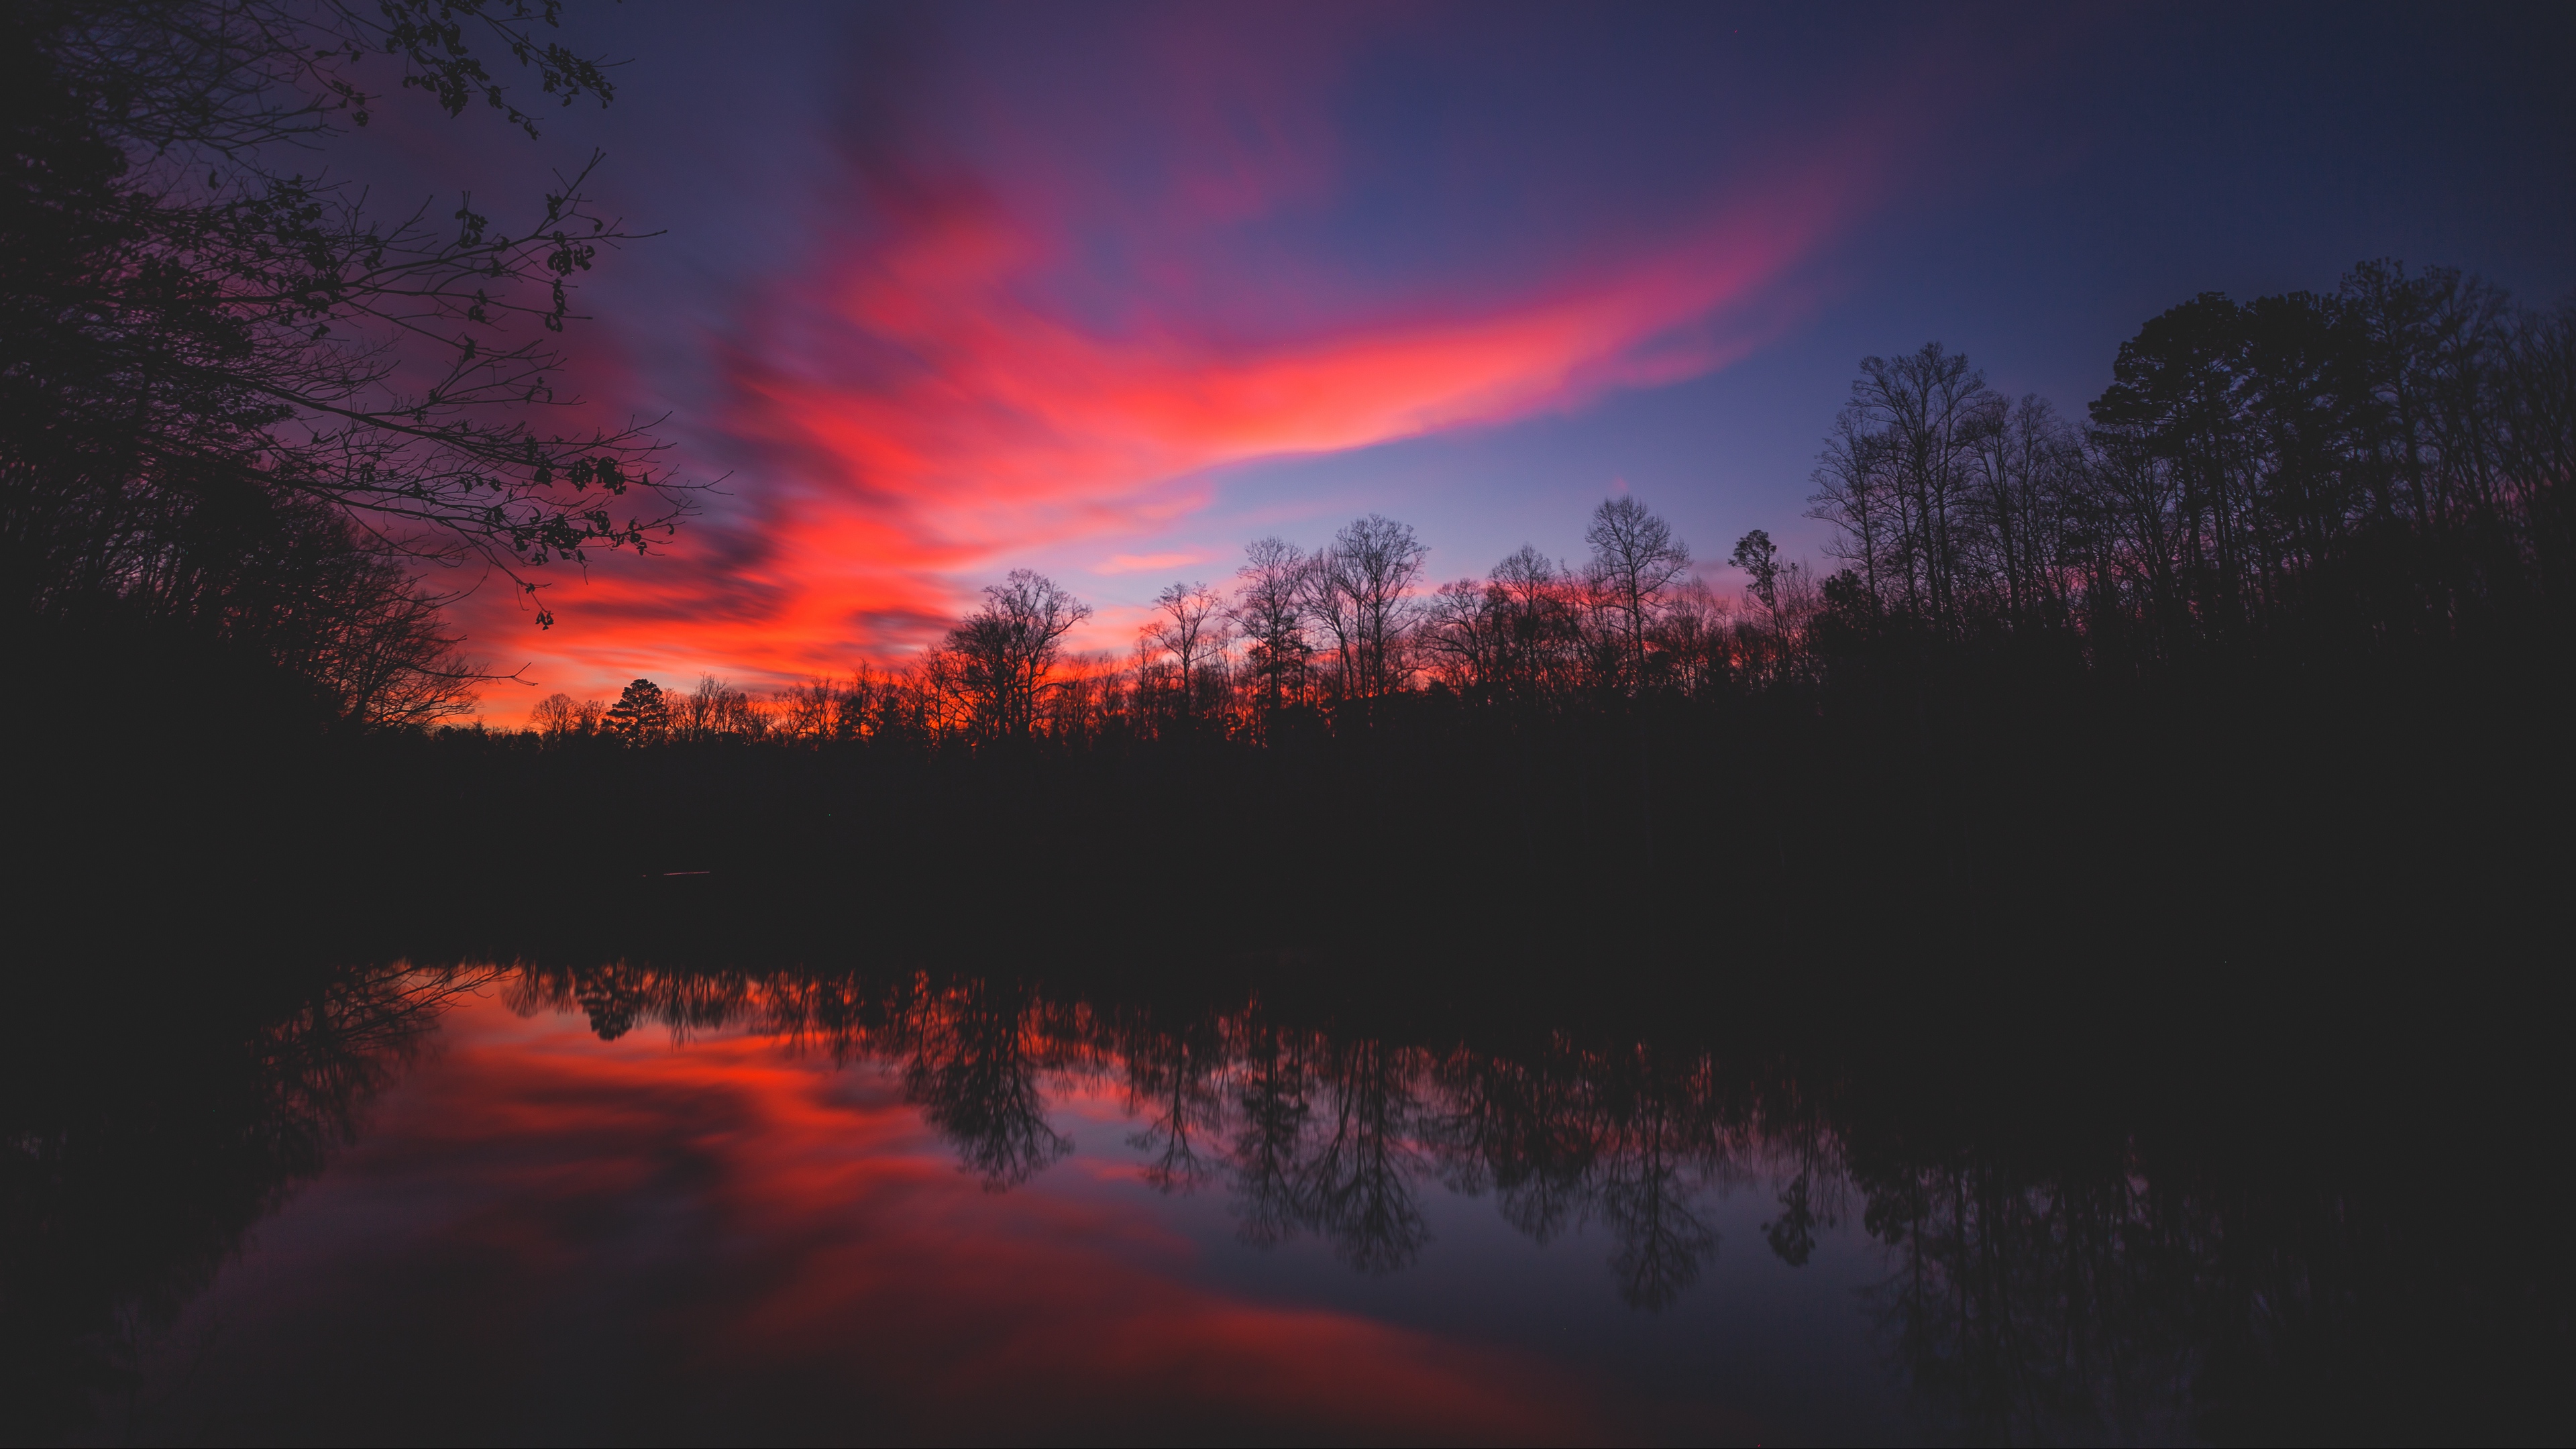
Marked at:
<point>924,412</point>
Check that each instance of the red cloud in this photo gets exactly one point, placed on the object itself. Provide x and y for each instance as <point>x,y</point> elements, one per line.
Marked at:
<point>922,407</point>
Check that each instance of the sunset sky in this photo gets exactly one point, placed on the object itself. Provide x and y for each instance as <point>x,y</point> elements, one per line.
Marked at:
<point>1108,291</point>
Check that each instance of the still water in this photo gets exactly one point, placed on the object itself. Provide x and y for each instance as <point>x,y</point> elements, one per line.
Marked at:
<point>613,1204</point>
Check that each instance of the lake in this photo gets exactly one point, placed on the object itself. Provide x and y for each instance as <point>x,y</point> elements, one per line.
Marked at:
<point>612,1203</point>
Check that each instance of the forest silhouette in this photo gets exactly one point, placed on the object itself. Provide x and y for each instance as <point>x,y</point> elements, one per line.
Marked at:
<point>2269,648</point>
<point>2305,482</point>
<point>2276,636</point>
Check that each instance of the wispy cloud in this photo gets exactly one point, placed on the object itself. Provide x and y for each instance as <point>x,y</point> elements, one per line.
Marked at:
<point>1145,563</point>
<point>958,382</point>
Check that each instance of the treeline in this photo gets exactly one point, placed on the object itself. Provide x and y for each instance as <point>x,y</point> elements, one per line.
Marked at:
<point>2304,480</point>
<point>2297,477</point>
<point>1303,640</point>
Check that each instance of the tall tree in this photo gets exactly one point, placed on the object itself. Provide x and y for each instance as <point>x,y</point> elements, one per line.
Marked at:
<point>1636,559</point>
<point>1927,409</point>
<point>1759,557</point>
<point>1463,635</point>
<point>1359,591</point>
<point>1002,657</point>
<point>1192,629</point>
<point>642,714</point>
<point>1855,493</point>
<point>1270,609</point>
<point>2027,459</point>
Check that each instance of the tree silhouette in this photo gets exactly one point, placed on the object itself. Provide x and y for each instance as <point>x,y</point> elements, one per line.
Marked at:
<point>1272,1112</point>
<point>642,714</point>
<point>1191,632</point>
<point>973,1073</point>
<point>1356,590</point>
<point>1637,559</point>
<point>1270,610</point>
<point>1002,658</point>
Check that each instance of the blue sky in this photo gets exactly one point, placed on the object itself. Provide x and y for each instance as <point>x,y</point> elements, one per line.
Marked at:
<point>947,290</point>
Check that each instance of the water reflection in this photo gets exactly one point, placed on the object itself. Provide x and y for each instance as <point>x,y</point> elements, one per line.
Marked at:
<point>2110,1278</point>
<point>1309,1132</point>
<point>2081,1292</point>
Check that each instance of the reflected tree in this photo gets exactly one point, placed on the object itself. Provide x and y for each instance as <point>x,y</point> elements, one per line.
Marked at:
<point>1792,1235</point>
<point>973,1068</point>
<point>1355,1184</point>
<point>1528,1130</point>
<point>2073,1287</point>
<point>1660,1144</point>
<point>1272,1110</point>
<point>1173,1076</point>
<point>2033,1309</point>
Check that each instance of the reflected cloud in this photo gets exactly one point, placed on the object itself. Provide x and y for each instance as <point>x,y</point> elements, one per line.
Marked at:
<point>834,1189</point>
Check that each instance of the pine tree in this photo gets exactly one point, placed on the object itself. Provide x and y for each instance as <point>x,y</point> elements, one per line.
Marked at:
<point>642,714</point>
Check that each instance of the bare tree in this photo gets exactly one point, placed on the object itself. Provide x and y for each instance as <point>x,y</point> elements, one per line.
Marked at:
<point>1193,631</point>
<point>553,717</point>
<point>717,710</point>
<point>1928,410</point>
<point>806,710</point>
<point>1636,559</point>
<point>1269,607</point>
<point>1542,625</point>
<point>1358,590</point>
<point>1464,635</point>
<point>1856,493</point>
<point>2026,458</point>
<point>1691,638</point>
<point>996,663</point>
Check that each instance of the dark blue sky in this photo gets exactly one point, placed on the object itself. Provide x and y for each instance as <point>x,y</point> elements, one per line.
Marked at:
<point>1108,290</point>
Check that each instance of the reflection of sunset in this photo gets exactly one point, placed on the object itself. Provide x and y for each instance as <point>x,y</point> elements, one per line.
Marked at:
<point>849,1246</point>
<point>621,1203</point>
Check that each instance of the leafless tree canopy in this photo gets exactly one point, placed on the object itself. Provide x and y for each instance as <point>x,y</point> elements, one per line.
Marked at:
<point>999,665</point>
<point>1181,652</point>
<point>1270,612</point>
<point>1358,592</point>
<point>1636,559</point>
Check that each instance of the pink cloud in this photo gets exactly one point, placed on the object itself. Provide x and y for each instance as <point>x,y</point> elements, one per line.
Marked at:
<point>1145,563</point>
<point>927,409</point>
